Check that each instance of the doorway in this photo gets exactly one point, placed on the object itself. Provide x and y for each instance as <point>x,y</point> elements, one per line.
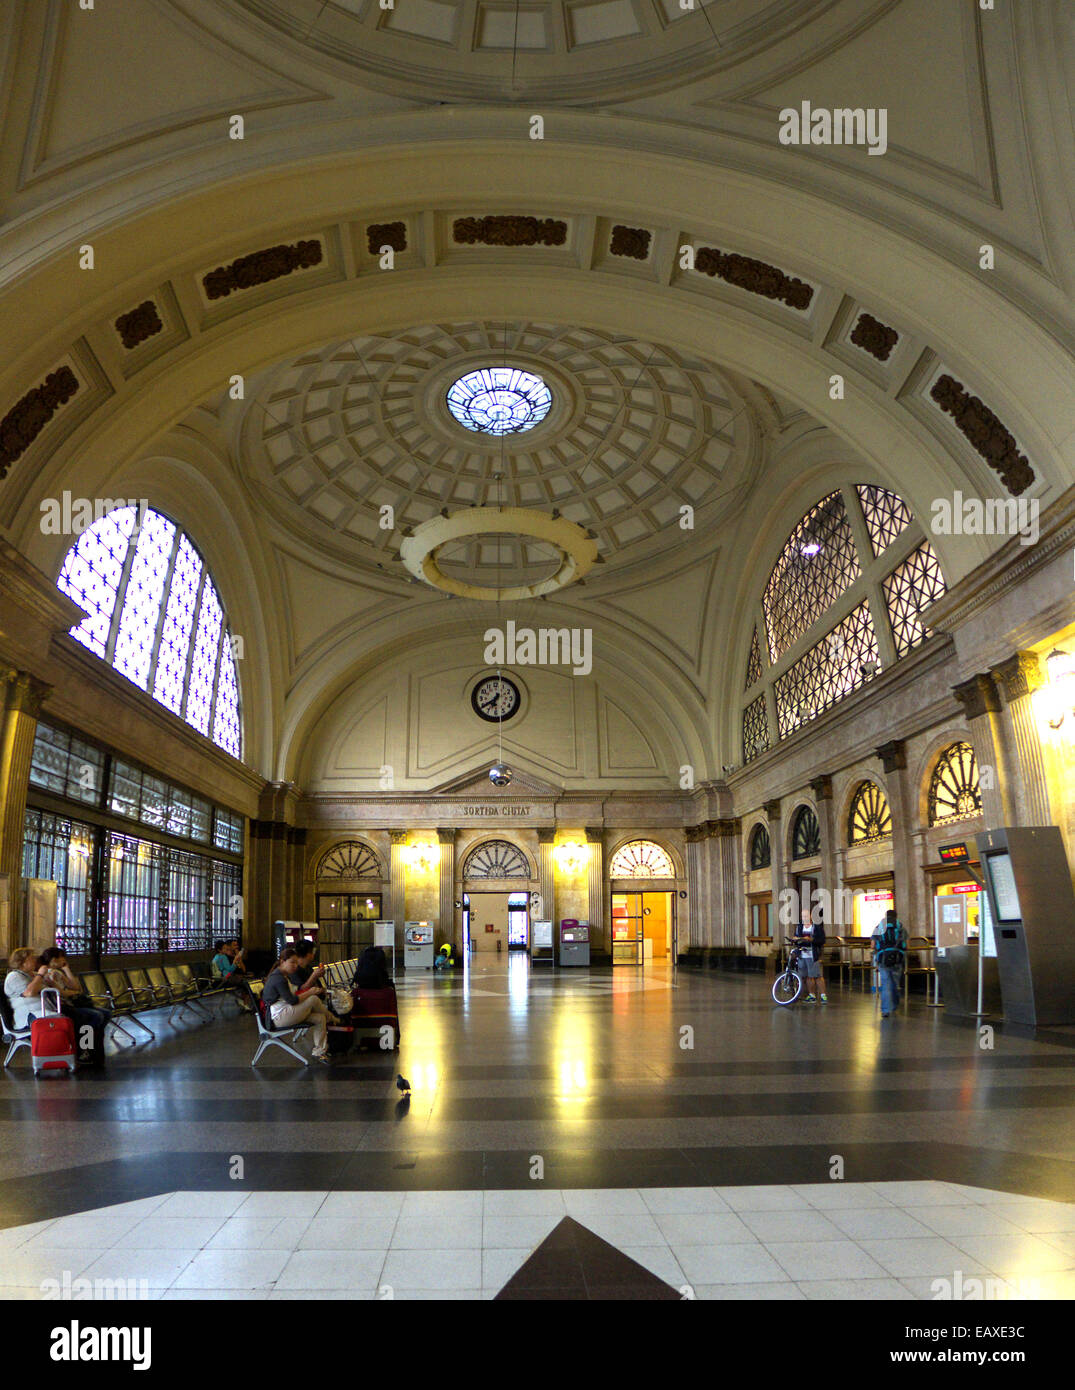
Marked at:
<point>346,920</point>
<point>489,918</point>
<point>643,927</point>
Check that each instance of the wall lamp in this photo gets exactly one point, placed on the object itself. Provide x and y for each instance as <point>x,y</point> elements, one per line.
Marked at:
<point>422,856</point>
<point>1061,700</point>
<point>572,857</point>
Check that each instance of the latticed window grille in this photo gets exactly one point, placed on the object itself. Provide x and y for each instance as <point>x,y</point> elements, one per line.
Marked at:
<point>61,850</point>
<point>63,764</point>
<point>497,859</point>
<point>815,567</point>
<point>225,899</point>
<point>869,819</point>
<point>641,859</point>
<point>761,854</point>
<point>805,834</point>
<point>755,729</point>
<point>153,613</point>
<point>754,662</point>
<point>352,859</point>
<point>842,661</point>
<point>133,917</point>
<point>954,791</point>
<point>886,515</point>
<point>908,589</point>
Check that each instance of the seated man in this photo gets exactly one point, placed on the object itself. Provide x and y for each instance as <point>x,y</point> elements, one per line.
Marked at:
<point>227,966</point>
<point>62,977</point>
<point>307,977</point>
<point>25,979</point>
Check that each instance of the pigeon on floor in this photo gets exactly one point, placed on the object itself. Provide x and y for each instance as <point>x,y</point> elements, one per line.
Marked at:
<point>402,1084</point>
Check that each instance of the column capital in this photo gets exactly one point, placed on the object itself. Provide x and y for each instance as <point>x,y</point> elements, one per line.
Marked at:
<point>546,834</point>
<point>445,837</point>
<point>23,692</point>
<point>893,755</point>
<point>399,837</point>
<point>772,809</point>
<point>821,787</point>
<point>595,834</point>
<point>1017,676</point>
<point>977,696</point>
<point>695,833</point>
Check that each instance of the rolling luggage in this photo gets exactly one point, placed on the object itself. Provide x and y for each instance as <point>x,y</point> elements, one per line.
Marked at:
<point>52,1038</point>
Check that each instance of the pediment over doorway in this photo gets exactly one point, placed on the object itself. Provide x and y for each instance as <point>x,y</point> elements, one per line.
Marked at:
<point>476,783</point>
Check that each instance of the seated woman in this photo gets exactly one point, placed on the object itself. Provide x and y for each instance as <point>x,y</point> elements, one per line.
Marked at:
<point>27,977</point>
<point>372,969</point>
<point>287,1010</point>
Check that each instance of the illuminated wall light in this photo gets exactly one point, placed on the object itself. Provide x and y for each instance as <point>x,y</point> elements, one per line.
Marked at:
<point>422,857</point>
<point>1060,700</point>
<point>572,857</point>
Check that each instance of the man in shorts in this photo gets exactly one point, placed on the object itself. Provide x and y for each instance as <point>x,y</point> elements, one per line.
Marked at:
<point>812,939</point>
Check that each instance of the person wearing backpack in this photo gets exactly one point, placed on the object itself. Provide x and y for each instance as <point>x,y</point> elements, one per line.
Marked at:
<point>889,952</point>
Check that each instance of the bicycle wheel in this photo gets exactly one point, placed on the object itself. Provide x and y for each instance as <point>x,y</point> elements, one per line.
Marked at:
<point>786,988</point>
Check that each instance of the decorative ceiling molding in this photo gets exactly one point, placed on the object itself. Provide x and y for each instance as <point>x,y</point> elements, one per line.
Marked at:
<point>260,267</point>
<point>988,435</point>
<point>509,230</point>
<point>29,416</point>
<point>135,326</point>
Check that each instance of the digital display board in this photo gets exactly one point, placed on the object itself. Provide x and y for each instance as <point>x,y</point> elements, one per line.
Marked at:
<point>954,854</point>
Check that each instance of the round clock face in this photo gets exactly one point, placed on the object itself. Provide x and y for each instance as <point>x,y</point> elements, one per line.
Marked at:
<point>495,698</point>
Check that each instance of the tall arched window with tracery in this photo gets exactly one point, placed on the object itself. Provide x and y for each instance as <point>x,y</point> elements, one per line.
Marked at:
<point>154,614</point>
<point>641,859</point>
<point>869,819</point>
<point>856,572</point>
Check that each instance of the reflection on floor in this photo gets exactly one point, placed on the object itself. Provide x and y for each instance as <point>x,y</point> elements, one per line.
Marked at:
<point>683,1120</point>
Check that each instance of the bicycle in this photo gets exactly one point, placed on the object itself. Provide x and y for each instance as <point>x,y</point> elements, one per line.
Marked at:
<point>788,985</point>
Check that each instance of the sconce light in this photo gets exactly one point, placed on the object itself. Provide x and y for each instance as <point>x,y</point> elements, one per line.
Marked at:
<point>572,857</point>
<point>1061,669</point>
<point>423,857</point>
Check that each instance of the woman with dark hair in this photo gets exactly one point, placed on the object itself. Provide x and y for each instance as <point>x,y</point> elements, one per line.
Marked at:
<point>285,1008</point>
<point>372,969</point>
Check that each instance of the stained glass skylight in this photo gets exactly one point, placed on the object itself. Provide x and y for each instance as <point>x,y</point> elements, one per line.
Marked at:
<point>499,400</point>
<point>153,613</point>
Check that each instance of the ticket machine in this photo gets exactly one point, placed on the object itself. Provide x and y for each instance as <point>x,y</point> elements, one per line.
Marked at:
<point>418,945</point>
<point>1033,910</point>
<point>574,942</point>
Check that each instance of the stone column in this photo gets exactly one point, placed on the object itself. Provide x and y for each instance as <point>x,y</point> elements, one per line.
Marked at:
<point>595,843</point>
<point>547,875</point>
<point>24,695</point>
<point>699,911</point>
<point>908,882</point>
<point>446,923</point>
<point>778,867</point>
<point>397,884</point>
<point>982,711</point>
<point>1017,679</point>
<point>822,789</point>
<point>727,887</point>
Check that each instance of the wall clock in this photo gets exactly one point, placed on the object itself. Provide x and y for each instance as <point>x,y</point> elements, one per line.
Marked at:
<point>495,698</point>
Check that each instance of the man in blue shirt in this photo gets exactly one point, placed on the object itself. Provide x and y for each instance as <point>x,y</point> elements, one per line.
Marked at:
<point>889,953</point>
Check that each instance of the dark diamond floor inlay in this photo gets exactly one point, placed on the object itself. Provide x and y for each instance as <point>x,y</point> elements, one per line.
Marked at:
<point>573,1263</point>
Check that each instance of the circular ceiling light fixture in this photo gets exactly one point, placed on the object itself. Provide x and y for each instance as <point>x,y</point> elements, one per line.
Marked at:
<point>577,549</point>
<point>499,400</point>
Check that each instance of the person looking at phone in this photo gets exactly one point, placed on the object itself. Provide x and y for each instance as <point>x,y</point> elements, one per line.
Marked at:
<point>307,977</point>
<point>285,1008</point>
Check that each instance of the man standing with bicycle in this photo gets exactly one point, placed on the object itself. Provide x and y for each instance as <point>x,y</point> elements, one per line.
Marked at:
<point>812,937</point>
<point>889,952</point>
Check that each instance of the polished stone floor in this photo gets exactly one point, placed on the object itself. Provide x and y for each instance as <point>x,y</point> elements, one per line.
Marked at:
<point>679,1118</point>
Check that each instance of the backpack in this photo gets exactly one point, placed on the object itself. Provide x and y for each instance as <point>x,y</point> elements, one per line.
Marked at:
<point>890,951</point>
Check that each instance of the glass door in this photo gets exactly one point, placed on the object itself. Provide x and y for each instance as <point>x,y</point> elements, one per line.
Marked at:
<point>345,923</point>
<point>628,937</point>
<point>518,921</point>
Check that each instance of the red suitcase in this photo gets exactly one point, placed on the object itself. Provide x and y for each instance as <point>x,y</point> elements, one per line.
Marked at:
<point>52,1038</point>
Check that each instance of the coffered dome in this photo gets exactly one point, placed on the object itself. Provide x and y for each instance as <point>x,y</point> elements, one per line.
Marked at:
<point>633,432</point>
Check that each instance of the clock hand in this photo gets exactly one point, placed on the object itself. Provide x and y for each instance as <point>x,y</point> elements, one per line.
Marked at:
<point>487,704</point>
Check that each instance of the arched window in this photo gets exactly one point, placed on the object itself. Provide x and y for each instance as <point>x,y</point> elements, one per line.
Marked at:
<point>814,661</point>
<point>805,834</point>
<point>954,793</point>
<point>497,859</point>
<point>153,613</point>
<point>641,859</point>
<point>352,859</point>
<point>761,854</point>
<point>869,819</point>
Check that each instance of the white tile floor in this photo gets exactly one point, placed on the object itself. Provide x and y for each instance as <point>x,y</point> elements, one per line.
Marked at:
<point>829,1241</point>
